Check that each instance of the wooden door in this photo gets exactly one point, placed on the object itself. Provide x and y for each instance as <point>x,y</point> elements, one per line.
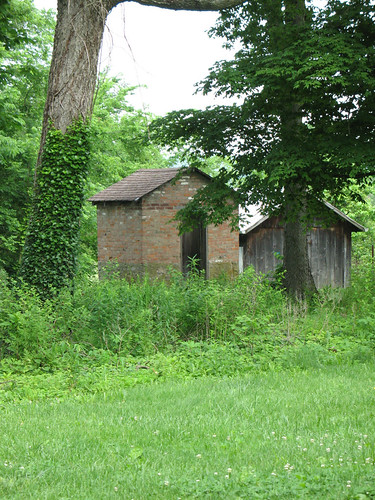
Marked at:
<point>194,245</point>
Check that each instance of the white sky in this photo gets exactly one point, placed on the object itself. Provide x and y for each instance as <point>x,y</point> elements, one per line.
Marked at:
<point>169,52</point>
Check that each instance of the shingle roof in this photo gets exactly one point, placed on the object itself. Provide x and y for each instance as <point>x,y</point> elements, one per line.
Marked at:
<point>136,185</point>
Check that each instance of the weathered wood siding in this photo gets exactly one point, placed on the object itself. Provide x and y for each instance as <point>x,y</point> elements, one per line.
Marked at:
<point>330,255</point>
<point>329,251</point>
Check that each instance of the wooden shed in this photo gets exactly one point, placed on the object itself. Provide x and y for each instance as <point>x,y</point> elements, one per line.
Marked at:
<point>329,248</point>
<point>136,228</point>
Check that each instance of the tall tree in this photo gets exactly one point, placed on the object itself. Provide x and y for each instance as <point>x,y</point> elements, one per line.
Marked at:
<point>51,243</point>
<point>305,126</point>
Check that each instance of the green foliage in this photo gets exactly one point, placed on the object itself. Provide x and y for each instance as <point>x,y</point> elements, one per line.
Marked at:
<point>305,84</point>
<point>119,136</point>
<point>50,250</point>
<point>26,37</point>
<point>360,205</point>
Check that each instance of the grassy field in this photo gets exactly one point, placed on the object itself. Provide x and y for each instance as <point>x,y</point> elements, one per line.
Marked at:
<point>274,435</point>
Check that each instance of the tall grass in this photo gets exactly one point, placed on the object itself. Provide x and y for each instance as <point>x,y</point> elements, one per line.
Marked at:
<point>143,318</point>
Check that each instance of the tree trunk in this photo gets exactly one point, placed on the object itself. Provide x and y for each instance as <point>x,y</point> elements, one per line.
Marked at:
<point>298,278</point>
<point>48,258</point>
<point>73,72</point>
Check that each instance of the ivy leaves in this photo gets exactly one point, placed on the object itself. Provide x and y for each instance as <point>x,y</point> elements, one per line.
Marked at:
<point>49,255</point>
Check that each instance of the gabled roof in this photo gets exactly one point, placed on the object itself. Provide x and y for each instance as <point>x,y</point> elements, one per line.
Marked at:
<point>256,219</point>
<point>138,184</point>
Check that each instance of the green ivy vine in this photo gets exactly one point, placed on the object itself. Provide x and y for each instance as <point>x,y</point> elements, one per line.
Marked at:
<point>49,257</point>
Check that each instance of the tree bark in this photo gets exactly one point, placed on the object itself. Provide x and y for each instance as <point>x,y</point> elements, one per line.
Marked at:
<point>72,78</point>
<point>298,279</point>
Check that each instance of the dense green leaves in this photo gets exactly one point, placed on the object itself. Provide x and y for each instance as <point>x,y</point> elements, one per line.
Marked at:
<point>52,240</point>
<point>25,44</point>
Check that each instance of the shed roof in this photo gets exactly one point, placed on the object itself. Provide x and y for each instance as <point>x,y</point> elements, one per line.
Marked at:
<point>256,218</point>
<point>138,184</point>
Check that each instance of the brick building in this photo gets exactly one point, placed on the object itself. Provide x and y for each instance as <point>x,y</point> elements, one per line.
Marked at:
<point>135,227</point>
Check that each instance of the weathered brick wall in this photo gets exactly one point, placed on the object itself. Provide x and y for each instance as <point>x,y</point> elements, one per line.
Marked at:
<point>161,242</point>
<point>120,235</point>
<point>140,236</point>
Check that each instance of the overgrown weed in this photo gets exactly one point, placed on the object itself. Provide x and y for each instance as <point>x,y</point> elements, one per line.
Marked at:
<point>206,327</point>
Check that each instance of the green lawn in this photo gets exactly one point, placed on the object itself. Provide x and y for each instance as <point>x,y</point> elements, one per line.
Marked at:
<point>277,435</point>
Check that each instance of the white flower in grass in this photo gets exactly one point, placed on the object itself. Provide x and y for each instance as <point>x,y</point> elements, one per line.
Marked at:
<point>227,476</point>
<point>166,483</point>
<point>273,474</point>
<point>213,435</point>
<point>197,480</point>
<point>312,440</point>
<point>229,470</point>
<point>368,460</point>
<point>199,455</point>
<point>283,437</point>
<point>215,473</point>
<point>328,450</point>
<point>304,449</point>
<point>359,447</point>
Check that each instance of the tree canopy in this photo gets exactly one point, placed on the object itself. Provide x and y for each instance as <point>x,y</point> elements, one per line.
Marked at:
<point>326,66</point>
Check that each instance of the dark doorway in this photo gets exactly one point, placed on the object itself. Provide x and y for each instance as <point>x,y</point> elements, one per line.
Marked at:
<point>194,245</point>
